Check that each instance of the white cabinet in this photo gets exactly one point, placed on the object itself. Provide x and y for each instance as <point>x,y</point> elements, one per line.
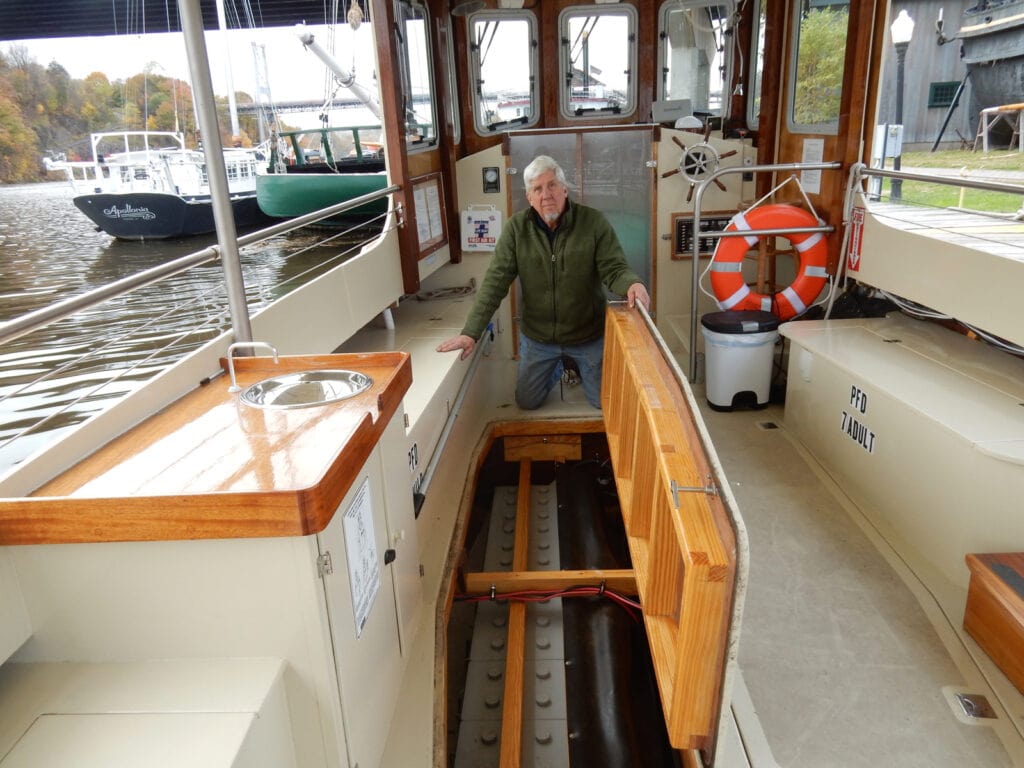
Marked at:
<point>372,596</point>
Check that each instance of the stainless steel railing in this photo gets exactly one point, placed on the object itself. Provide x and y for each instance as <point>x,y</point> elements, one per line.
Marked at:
<point>53,375</point>
<point>13,329</point>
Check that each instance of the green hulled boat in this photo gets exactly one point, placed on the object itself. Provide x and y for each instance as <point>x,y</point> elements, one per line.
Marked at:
<point>317,168</point>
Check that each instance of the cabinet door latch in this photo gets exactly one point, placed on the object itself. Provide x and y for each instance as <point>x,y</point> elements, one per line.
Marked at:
<point>324,566</point>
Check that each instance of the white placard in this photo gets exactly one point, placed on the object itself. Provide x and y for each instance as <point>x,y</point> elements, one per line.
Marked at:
<point>419,196</point>
<point>481,226</point>
<point>814,152</point>
<point>426,196</point>
<point>434,211</point>
<point>361,548</point>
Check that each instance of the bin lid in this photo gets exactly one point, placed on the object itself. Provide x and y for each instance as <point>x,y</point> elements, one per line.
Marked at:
<point>740,321</point>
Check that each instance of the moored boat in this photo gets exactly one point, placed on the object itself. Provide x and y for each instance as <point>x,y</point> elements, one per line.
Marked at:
<point>150,186</point>
<point>314,169</point>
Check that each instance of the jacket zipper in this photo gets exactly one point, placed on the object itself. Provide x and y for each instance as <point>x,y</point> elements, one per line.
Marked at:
<point>554,300</point>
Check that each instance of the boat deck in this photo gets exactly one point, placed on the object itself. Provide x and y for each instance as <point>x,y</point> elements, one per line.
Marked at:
<point>964,265</point>
<point>845,659</point>
<point>996,235</point>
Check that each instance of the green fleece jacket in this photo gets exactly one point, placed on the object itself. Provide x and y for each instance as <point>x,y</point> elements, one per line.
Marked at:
<point>561,297</point>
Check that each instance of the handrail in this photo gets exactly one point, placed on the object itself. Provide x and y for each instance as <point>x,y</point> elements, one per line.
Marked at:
<point>694,294</point>
<point>862,171</point>
<point>40,318</point>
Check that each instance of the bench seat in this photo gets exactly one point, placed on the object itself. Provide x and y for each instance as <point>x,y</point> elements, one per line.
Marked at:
<point>921,426</point>
<point>191,712</point>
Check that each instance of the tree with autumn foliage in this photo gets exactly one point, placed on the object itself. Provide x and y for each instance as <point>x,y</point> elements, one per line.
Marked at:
<point>46,112</point>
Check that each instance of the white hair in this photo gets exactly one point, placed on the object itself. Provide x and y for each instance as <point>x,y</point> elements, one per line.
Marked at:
<point>540,165</point>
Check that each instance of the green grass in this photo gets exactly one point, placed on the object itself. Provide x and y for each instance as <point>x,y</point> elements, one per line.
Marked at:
<point>972,164</point>
<point>973,161</point>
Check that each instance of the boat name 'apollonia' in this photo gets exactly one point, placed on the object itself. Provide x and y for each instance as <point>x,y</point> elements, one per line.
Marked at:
<point>128,212</point>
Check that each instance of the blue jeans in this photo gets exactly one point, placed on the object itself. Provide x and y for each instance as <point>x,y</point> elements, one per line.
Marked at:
<point>540,367</point>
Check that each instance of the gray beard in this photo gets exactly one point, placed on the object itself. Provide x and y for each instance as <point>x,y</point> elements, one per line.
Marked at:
<point>551,218</point>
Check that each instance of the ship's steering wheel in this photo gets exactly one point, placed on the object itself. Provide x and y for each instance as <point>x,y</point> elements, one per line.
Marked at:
<point>698,161</point>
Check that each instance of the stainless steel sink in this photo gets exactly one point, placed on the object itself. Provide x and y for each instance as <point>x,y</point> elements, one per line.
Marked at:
<point>305,389</point>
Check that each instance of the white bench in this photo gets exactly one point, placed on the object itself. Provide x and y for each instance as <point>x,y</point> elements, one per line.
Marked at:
<point>158,714</point>
<point>921,426</point>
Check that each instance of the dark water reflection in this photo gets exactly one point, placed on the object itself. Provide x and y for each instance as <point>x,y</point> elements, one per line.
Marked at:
<point>61,374</point>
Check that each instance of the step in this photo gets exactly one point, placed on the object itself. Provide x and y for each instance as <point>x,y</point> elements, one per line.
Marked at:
<point>189,712</point>
<point>995,610</point>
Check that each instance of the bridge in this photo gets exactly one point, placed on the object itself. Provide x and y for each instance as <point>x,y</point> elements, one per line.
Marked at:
<point>251,108</point>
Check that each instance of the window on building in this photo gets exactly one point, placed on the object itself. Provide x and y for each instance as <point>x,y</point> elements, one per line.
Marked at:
<point>942,94</point>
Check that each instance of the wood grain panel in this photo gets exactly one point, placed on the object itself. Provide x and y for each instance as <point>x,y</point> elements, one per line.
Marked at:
<point>543,448</point>
<point>994,616</point>
<point>512,702</point>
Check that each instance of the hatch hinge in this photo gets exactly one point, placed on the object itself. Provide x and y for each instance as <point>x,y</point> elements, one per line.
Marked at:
<point>709,488</point>
<point>324,566</point>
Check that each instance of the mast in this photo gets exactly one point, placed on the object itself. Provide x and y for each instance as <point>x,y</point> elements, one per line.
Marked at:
<point>344,77</point>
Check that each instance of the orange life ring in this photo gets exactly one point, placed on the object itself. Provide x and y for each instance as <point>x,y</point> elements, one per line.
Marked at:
<point>727,281</point>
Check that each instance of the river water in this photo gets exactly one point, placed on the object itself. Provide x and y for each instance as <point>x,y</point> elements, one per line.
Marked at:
<point>52,379</point>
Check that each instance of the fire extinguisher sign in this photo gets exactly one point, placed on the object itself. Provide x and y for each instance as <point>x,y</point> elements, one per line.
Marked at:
<point>856,239</point>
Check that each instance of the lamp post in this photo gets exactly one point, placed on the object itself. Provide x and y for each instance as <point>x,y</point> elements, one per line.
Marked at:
<point>902,30</point>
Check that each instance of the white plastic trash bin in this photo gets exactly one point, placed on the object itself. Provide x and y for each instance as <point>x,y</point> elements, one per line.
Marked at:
<point>739,351</point>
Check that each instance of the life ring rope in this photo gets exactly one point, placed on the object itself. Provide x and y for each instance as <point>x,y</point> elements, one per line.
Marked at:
<point>726,268</point>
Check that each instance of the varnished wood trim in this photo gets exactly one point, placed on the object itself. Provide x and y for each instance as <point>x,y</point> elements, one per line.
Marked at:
<point>481,583</point>
<point>543,447</point>
<point>285,511</point>
<point>682,545</point>
<point>994,615</point>
<point>515,650</point>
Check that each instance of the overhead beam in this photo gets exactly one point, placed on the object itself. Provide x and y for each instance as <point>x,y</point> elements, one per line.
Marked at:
<point>32,20</point>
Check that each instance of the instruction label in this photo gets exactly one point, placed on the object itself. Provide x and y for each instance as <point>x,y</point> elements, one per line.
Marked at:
<point>852,423</point>
<point>361,548</point>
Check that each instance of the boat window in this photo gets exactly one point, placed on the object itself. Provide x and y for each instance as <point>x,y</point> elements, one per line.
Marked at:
<point>503,64</point>
<point>598,61</point>
<point>692,50</point>
<point>757,64</point>
<point>819,56</point>
<point>417,77</point>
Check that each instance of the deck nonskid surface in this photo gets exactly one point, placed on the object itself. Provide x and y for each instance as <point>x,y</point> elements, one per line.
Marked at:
<point>843,666</point>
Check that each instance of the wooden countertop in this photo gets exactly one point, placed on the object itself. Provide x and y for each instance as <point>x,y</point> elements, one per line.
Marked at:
<point>209,466</point>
